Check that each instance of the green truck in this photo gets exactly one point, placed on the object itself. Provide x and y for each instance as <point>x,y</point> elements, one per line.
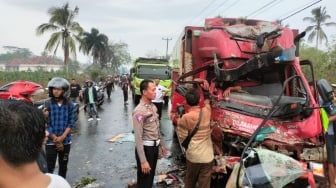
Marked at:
<point>150,68</point>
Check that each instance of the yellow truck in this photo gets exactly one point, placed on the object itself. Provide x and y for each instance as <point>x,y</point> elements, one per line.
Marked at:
<point>150,68</point>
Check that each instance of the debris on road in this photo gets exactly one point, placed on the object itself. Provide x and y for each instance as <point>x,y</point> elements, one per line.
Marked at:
<point>87,182</point>
<point>168,179</point>
<point>122,137</point>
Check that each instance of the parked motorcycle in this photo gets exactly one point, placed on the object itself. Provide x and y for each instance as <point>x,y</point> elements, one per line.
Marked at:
<point>28,92</point>
<point>21,90</point>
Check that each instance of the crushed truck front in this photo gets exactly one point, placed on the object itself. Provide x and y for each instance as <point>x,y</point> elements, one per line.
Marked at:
<point>275,109</point>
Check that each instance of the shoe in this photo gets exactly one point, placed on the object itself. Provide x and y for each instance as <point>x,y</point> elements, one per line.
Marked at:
<point>90,119</point>
<point>97,118</point>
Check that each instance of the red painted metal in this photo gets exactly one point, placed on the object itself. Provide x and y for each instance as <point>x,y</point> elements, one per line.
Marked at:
<point>221,38</point>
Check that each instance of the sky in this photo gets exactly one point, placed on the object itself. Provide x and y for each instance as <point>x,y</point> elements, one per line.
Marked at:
<point>144,24</point>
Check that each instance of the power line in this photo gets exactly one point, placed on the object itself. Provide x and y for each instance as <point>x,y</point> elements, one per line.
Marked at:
<point>220,5</point>
<point>304,8</point>
<point>275,3</point>
<point>189,22</point>
<point>292,10</point>
<point>259,9</point>
<point>206,7</point>
<point>234,3</point>
<point>216,8</point>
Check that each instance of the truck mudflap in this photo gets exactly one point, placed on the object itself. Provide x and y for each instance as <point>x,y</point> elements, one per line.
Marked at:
<point>263,168</point>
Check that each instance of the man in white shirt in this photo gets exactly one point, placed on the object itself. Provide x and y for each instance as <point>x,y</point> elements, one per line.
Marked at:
<point>161,92</point>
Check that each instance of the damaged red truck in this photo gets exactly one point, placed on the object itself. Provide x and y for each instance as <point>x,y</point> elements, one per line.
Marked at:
<point>277,110</point>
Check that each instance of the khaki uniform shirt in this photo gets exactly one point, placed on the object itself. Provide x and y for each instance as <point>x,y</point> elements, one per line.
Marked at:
<point>200,148</point>
<point>146,126</point>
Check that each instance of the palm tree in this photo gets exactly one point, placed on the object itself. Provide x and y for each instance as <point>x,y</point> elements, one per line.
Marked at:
<point>318,20</point>
<point>66,31</point>
<point>94,42</point>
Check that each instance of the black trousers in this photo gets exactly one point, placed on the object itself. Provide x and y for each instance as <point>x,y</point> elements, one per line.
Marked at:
<point>146,180</point>
<point>108,91</point>
<point>159,108</point>
<point>63,158</point>
<point>125,93</point>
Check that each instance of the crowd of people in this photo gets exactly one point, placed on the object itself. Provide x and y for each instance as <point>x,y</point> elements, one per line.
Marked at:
<point>33,139</point>
<point>39,137</point>
<point>58,117</point>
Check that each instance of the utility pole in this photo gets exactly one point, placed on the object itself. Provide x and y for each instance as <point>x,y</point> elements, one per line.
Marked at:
<point>167,39</point>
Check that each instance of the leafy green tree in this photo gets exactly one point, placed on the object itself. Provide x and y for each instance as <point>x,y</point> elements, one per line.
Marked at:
<point>15,52</point>
<point>318,20</point>
<point>65,30</point>
<point>94,42</point>
<point>116,55</point>
<point>320,60</point>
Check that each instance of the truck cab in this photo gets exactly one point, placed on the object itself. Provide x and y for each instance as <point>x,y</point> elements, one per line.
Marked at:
<point>275,110</point>
<point>150,68</point>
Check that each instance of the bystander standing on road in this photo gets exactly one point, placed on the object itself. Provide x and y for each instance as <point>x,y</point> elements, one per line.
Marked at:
<point>200,153</point>
<point>147,135</point>
<point>161,92</point>
<point>22,130</point>
<point>75,90</point>
<point>61,114</point>
<point>124,88</point>
<point>90,99</point>
<point>109,85</point>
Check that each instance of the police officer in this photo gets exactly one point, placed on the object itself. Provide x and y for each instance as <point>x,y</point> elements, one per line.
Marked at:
<point>146,127</point>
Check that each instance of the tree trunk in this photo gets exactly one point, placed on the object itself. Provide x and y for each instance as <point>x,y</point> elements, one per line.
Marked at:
<point>317,40</point>
<point>66,58</point>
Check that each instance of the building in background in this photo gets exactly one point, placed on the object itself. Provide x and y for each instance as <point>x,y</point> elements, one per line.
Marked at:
<point>36,63</point>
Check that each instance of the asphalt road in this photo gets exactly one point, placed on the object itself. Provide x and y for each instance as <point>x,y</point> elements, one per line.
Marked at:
<point>111,163</point>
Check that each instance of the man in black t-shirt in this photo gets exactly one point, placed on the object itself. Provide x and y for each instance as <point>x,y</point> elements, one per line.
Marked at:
<point>109,85</point>
<point>75,90</point>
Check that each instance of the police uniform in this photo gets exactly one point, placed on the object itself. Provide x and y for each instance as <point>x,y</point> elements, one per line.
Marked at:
<point>146,127</point>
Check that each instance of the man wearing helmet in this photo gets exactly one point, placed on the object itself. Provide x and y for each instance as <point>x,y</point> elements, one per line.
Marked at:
<point>61,114</point>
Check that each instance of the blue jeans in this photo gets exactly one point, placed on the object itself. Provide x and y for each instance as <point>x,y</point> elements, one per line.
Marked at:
<point>93,110</point>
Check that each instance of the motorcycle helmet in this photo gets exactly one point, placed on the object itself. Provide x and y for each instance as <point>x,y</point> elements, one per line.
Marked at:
<point>58,82</point>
